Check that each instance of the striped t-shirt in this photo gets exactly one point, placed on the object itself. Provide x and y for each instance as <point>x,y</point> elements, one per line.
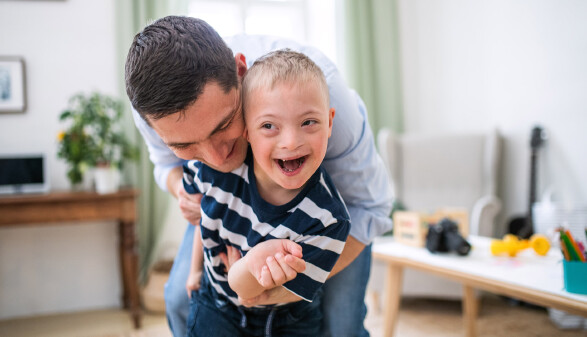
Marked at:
<point>233,213</point>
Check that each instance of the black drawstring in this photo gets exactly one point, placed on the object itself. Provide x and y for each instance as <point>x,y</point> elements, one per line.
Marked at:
<point>269,322</point>
<point>243,317</point>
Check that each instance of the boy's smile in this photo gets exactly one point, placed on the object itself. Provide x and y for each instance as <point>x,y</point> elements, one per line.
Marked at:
<point>288,126</point>
<point>291,166</point>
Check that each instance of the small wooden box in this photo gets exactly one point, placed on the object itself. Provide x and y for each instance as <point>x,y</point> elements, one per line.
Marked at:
<point>410,228</point>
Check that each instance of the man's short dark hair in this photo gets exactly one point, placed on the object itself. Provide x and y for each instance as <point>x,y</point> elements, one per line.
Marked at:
<point>170,62</point>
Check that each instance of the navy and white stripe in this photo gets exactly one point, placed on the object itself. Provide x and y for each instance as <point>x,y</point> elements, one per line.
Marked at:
<point>234,214</point>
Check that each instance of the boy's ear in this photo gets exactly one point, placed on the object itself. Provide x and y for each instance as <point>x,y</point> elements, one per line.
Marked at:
<point>241,65</point>
<point>331,114</point>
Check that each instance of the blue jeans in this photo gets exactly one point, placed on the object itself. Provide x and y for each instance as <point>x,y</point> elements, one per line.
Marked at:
<point>343,303</point>
<point>214,315</point>
<point>343,295</point>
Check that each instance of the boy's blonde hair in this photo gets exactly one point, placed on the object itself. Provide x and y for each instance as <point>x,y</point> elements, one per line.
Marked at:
<point>281,66</point>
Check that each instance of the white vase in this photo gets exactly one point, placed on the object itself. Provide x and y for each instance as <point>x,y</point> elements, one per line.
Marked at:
<point>107,179</point>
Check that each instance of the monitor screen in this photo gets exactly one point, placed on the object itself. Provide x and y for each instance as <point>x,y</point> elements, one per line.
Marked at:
<point>20,174</point>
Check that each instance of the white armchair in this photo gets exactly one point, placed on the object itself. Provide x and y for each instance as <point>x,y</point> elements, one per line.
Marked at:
<point>433,171</point>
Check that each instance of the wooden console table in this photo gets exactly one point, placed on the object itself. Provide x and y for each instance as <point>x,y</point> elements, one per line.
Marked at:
<point>48,209</point>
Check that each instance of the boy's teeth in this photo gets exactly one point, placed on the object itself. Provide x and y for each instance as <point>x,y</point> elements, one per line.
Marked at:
<point>291,165</point>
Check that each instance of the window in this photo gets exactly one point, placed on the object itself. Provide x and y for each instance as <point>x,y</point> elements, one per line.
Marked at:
<point>309,22</point>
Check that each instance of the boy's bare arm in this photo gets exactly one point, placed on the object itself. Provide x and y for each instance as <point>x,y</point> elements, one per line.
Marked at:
<point>268,265</point>
<point>196,265</point>
<point>351,250</point>
<point>242,281</point>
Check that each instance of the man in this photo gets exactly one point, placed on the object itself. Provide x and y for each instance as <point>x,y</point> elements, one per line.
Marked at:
<point>184,83</point>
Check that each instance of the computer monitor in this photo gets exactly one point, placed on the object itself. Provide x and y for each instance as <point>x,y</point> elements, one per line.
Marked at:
<point>23,174</point>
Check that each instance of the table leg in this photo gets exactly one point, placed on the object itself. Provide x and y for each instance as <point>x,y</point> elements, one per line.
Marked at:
<point>393,287</point>
<point>129,258</point>
<point>470,308</point>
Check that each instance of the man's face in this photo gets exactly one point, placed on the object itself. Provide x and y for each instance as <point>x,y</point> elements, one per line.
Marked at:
<point>288,128</point>
<point>210,130</point>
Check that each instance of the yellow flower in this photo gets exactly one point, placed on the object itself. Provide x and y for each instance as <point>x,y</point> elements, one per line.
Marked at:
<point>61,135</point>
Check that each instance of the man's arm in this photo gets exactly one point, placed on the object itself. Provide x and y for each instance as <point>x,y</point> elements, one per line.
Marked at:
<point>352,249</point>
<point>168,170</point>
<point>160,155</point>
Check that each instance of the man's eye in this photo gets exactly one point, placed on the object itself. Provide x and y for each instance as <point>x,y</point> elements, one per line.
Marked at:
<point>180,146</point>
<point>226,126</point>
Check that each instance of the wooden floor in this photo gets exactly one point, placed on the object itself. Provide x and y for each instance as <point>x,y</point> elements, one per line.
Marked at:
<point>418,317</point>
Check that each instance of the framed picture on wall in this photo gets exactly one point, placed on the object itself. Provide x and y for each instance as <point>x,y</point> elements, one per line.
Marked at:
<point>12,85</point>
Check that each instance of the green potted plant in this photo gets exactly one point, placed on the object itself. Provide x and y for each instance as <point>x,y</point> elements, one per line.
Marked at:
<point>94,138</point>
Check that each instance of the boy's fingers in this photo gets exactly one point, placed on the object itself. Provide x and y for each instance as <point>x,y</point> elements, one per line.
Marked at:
<point>224,259</point>
<point>233,255</point>
<point>265,280</point>
<point>292,248</point>
<point>295,263</point>
<point>277,273</point>
<point>290,273</point>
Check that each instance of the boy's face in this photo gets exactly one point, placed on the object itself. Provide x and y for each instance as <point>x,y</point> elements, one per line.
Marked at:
<point>288,128</point>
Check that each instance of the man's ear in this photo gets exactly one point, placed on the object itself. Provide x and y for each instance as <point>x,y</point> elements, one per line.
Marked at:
<point>241,65</point>
<point>331,114</point>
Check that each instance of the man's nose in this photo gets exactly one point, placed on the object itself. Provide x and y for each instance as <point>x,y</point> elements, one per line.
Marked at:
<point>215,153</point>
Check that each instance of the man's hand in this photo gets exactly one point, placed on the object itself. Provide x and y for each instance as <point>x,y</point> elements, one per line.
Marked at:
<point>189,204</point>
<point>275,262</point>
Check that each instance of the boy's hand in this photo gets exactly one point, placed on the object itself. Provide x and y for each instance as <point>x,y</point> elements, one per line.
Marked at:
<point>275,262</point>
<point>230,257</point>
<point>270,296</point>
<point>193,281</point>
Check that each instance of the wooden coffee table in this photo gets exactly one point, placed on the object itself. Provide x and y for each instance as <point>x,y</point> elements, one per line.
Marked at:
<point>527,277</point>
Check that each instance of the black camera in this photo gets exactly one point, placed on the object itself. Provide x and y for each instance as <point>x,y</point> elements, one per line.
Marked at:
<point>445,237</point>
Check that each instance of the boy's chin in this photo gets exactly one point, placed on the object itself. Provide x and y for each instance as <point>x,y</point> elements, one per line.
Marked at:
<point>290,183</point>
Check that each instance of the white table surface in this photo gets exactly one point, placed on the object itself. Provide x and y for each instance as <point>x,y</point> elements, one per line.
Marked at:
<point>527,269</point>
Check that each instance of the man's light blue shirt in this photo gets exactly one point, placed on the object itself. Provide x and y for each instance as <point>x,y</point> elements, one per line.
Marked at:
<point>351,158</point>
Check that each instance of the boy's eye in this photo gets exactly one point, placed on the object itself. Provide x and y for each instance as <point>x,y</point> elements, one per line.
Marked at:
<point>309,122</point>
<point>267,126</point>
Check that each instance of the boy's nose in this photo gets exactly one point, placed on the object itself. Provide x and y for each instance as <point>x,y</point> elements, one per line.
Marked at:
<point>291,139</point>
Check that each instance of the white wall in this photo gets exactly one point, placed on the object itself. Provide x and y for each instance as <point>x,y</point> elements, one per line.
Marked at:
<point>474,65</point>
<point>68,47</point>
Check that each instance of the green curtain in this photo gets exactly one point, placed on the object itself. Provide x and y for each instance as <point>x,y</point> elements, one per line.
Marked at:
<point>131,16</point>
<point>373,62</point>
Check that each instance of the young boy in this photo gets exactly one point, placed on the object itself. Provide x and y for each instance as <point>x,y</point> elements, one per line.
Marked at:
<point>280,192</point>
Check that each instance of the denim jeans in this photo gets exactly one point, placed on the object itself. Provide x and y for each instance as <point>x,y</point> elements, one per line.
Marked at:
<point>212,314</point>
<point>177,302</point>
<point>343,301</point>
